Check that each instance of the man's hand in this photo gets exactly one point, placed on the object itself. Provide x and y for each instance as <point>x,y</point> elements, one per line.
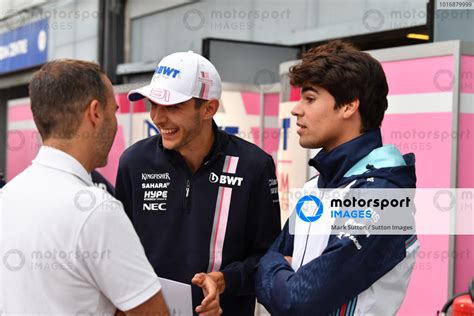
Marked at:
<point>210,304</point>
<point>218,277</point>
<point>288,258</point>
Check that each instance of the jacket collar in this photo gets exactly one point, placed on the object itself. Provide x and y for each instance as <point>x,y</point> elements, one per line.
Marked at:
<point>334,164</point>
<point>220,140</point>
<point>56,159</point>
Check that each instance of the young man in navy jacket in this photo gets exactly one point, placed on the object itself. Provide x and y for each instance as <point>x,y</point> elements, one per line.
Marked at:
<point>202,201</point>
<point>343,100</point>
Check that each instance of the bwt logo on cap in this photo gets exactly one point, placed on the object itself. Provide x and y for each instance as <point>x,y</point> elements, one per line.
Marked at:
<point>167,71</point>
<point>307,203</point>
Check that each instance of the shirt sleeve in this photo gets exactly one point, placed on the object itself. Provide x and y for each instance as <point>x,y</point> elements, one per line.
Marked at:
<point>113,259</point>
<point>263,226</point>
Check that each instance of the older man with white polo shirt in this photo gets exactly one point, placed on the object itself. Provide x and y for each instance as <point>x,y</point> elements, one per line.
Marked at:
<point>66,246</point>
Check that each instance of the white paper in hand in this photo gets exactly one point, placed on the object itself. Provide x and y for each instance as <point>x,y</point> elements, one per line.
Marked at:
<point>178,297</point>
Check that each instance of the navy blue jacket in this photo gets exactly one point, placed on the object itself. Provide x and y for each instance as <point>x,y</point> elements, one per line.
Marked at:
<point>342,272</point>
<point>101,182</point>
<point>2,181</point>
<point>181,217</point>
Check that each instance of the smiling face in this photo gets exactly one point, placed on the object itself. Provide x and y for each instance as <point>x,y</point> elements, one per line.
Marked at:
<point>180,125</point>
<point>320,125</point>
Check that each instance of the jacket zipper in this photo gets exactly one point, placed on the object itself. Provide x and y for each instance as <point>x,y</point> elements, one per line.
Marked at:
<point>187,195</point>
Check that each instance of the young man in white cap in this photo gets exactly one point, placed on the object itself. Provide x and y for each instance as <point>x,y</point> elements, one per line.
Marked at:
<point>200,200</point>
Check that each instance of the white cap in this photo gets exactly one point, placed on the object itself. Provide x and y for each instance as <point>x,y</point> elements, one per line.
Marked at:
<point>180,77</point>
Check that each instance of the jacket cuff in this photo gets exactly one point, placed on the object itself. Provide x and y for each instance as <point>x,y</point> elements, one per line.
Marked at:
<point>233,281</point>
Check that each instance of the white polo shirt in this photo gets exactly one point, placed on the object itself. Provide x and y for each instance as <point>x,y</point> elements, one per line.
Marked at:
<point>67,247</point>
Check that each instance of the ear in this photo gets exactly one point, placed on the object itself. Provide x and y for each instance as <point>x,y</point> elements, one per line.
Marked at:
<point>350,109</point>
<point>94,113</point>
<point>210,109</point>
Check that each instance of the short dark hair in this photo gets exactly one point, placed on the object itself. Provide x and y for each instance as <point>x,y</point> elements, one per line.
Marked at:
<point>347,74</point>
<point>60,92</point>
<point>198,102</point>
